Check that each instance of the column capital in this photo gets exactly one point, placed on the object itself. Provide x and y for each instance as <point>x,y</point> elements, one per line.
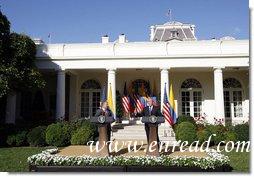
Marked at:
<point>111,69</point>
<point>60,69</point>
<point>165,68</point>
<point>218,67</point>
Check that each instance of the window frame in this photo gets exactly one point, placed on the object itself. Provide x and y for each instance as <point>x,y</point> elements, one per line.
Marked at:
<point>191,91</point>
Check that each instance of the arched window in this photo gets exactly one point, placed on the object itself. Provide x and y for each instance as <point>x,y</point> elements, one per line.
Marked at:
<point>231,83</point>
<point>90,98</point>
<point>139,84</point>
<point>191,83</point>
<point>232,98</point>
<point>191,97</point>
<point>90,84</point>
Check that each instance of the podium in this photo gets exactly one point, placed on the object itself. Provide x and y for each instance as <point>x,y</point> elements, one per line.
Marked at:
<point>152,122</point>
<point>102,123</point>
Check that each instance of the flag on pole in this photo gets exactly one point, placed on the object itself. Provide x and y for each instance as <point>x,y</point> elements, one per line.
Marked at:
<point>110,100</point>
<point>138,104</point>
<point>166,108</point>
<point>126,100</point>
<point>154,89</point>
<point>103,94</point>
<point>142,90</point>
<point>172,104</point>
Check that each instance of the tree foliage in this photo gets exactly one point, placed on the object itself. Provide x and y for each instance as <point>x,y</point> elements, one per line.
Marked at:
<point>17,61</point>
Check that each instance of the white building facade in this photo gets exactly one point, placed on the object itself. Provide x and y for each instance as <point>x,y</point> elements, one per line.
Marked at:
<point>210,78</point>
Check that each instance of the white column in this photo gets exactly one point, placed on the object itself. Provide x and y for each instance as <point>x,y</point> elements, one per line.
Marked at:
<point>10,116</point>
<point>164,80</point>
<point>219,94</point>
<point>60,95</point>
<point>112,82</point>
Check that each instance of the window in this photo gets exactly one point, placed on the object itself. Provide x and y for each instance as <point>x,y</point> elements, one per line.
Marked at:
<point>90,98</point>
<point>137,87</point>
<point>232,98</point>
<point>191,97</point>
<point>90,84</point>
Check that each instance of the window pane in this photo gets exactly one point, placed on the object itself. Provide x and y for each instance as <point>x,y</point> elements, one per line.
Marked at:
<point>185,102</point>
<point>227,104</point>
<point>237,103</point>
<point>197,102</point>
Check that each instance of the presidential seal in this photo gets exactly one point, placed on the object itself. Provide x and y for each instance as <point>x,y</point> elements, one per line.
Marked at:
<point>153,119</point>
<point>101,119</point>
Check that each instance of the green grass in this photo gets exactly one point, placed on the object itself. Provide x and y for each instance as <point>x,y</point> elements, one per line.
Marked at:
<point>240,161</point>
<point>14,159</point>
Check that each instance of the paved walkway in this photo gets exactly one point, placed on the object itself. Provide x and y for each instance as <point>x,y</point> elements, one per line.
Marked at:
<point>79,150</point>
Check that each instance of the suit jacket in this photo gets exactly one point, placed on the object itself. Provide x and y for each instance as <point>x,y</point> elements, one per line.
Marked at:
<point>107,113</point>
<point>155,111</point>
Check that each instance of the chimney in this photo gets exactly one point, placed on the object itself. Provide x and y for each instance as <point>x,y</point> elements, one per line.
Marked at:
<point>152,31</point>
<point>122,38</point>
<point>104,39</point>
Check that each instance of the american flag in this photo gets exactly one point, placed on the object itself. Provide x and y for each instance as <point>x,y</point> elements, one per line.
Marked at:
<point>138,104</point>
<point>166,108</point>
<point>126,100</point>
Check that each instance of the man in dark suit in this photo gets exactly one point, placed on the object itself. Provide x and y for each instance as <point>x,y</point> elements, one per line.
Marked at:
<point>150,110</point>
<point>105,111</point>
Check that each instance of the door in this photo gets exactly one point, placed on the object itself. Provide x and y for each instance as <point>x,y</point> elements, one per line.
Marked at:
<point>233,104</point>
<point>191,102</point>
<point>90,102</point>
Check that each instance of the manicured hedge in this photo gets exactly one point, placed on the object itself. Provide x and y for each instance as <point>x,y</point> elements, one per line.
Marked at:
<point>58,134</point>
<point>242,132</point>
<point>85,131</point>
<point>37,136</point>
<point>186,131</point>
<point>65,133</point>
<point>18,139</point>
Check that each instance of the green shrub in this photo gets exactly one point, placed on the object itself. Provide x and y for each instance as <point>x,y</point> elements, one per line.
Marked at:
<point>18,139</point>
<point>5,130</point>
<point>81,123</point>
<point>37,136</point>
<point>85,132</point>
<point>230,136</point>
<point>21,138</point>
<point>219,131</point>
<point>203,135</point>
<point>242,132</point>
<point>58,134</point>
<point>11,140</point>
<point>186,131</point>
<point>82,136</point>
<point>185,118</point>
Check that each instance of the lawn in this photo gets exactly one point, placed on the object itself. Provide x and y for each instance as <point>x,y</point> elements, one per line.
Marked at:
<point>15,159</point>
<point>240,161</point>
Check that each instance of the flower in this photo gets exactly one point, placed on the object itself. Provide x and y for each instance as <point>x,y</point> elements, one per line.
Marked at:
<point>50,157</point>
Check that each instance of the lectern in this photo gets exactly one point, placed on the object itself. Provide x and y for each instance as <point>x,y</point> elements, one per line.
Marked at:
<point>102,122</point>
<point>152,122</point>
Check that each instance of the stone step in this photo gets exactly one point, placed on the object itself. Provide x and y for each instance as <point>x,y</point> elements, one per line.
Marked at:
<point>136,127</point>
<point>136,130</point>
<point>139,136</point>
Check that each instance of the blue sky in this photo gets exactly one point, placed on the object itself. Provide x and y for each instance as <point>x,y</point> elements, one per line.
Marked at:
<point>86,21</point>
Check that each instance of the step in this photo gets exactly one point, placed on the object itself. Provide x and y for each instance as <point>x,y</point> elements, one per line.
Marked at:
<point>140,136</point>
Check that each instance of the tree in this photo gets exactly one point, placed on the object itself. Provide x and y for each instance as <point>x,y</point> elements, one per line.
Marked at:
<point>17,61</point>
<point>4,39</point>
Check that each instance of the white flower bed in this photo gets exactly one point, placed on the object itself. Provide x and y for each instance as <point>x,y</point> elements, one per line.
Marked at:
<point>50,158</point>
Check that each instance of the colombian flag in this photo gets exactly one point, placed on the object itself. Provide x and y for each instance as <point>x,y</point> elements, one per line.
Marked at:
<point>110,101</point>
<point>172,104</point>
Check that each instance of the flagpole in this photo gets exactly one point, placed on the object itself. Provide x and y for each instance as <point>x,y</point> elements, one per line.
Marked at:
<point>49,38</point>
